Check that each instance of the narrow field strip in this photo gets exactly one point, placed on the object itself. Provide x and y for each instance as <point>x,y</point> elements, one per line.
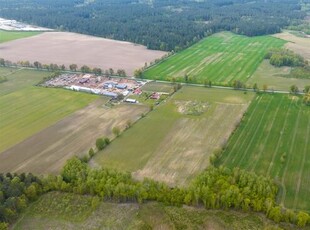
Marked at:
<point>239,136</point>
<point>302,166</point>
<point>253,167</point>
<point>257,128</point>
<point>288,159</point>
<point>279,141</point>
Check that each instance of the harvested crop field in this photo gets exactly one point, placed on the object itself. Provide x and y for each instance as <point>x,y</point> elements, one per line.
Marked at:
<point>173,143</point>
<point>48,150</point>
<point>67,48</point>
<point>299,45</point>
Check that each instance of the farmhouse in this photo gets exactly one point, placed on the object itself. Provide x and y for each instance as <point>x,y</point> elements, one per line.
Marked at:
<point>110,94</point>
<point>155,96</point>
<point>121,86</point>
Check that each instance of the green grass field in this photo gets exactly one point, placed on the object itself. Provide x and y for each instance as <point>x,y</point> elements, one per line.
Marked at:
<point>274,140</point>
<point>171,143</point>
<point>221,58</point>
<point>271,76</point>
<point>6,36</point>
<point>27,111</point>
<point>67,211</point>
<point>18,79</point>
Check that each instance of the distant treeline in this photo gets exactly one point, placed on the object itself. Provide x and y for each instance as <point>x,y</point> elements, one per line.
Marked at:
<point>161,24</point>
<point>214,188</point>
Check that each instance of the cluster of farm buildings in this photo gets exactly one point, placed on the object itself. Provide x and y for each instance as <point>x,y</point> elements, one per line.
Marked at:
<point>102,85</point>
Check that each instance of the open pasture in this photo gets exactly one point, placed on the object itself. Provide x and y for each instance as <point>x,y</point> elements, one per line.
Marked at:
<point>70,48</point>
<point>6,36</point>
<point>19,78</point>
<point>174,141</point>
<point>274,140</point>
<point>273,77</point>
<point>28,111</point>
<point>48,150</point>
<point>221,58</point>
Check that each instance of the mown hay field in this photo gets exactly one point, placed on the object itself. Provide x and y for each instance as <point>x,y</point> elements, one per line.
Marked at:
<point>274,140</point>
<point>221,58</point>
<point>174,141</point>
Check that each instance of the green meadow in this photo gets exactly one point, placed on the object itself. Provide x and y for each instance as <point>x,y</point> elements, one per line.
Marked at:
<point>6,36</point>
<point>220,58</point>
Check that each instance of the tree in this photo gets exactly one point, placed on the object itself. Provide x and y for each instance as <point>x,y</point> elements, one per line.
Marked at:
<point>265,87</point>
<point>302,219</point>
<point>73,67</point>
<point>294,89</point>
<point>307,89</point>
<point>100,143</point>
<point>306,98</point>
<point>2,62</point>
<point>97,71</point>
<point>138,73</point>
<point>255,87</point>
<point>111,71</point>
<point>116,131</point>
<point>91,152</point>
<point>74,170</point>
<point>37,64</point>
<point>85,69</point>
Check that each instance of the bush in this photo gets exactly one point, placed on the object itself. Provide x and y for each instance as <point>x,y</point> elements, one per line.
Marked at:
<point>100,143</point>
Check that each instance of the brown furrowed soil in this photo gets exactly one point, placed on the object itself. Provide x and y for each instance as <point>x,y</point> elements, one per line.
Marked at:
<point>70,48</point>
<point>48,150</point>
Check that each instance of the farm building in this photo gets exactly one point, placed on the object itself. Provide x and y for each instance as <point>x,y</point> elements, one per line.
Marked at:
<point>109,94</point>
<point>131,100</point>
<point>121,86</point>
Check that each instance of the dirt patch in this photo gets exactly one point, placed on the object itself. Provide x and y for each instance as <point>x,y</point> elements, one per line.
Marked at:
<point>194,108</point>
<point>48,150</point>
<point>67,48</point>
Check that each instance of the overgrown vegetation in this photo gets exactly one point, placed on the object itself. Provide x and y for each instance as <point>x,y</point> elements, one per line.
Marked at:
<point>285,57</point>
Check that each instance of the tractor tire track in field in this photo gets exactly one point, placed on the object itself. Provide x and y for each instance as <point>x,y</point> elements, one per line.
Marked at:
<point>302,166</point>
<point>259,98</point>
<point>279,140</point>
<point>266,138</point>
<point>244,141</point>
<point>254,135</point>
<point>283,195</point>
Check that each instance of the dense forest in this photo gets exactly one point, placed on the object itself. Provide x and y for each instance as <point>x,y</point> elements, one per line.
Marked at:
<point>158,24</point>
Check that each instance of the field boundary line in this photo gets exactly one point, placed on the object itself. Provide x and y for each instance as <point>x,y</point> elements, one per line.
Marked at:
<point>255,133</point>
<point>278,144</point>
<point>233,148</point>
<point>267,137</point>
<point>302,166</point>
<point>288,159</point>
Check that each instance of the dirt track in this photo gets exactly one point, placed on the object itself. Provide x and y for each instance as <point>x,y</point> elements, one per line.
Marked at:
<point>67,48</point>
<point>48,150</point>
